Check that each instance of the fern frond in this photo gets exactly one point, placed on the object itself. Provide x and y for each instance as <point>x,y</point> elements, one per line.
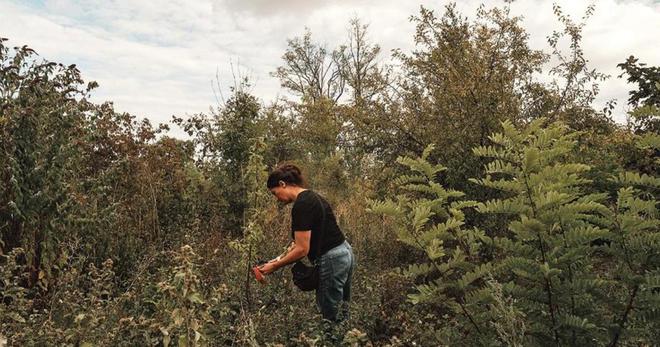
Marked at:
<point>510,246</point>
<point>635,179</point>
<point>409,179</point>
<point>417,270</point>
<point>422,166</point>
<point>478,272</point>
<point>460,205</point>
<point>387,207</point>
<point>501,167</point>
<point>652,281</point>
<point>650,140</point>
<point>578,208</point>
<point>584,285</point>
<point>552,198</point>
<point>526,228</point>
<point>420,216</point>
<point>503,207</point>
<point>585,235</point>
<point>505,185</point>
<point>575,322</point>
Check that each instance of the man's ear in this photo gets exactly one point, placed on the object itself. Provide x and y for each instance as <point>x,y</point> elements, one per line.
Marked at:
<point>282,184</point>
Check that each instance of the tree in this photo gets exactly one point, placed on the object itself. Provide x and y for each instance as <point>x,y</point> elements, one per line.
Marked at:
<point>646,78</point>
<point>43,106</point>
<point>645,116</point>
<point>571,96</point>
<point>461,81</point>
<point>223,142</point>
<point>359,65</point>
<point>310,71</point>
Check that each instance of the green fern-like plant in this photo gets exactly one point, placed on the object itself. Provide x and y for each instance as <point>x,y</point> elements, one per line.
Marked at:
<point>574,266</point>
<point>544,258</point>
<point>431,219</point>
<point>635,226</point>
<point>566,256</point>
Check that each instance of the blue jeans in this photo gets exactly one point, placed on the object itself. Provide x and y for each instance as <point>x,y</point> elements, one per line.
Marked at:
<point>335,272</point>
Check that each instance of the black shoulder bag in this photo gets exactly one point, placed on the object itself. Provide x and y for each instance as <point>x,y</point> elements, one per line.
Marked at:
<point>305,277</point>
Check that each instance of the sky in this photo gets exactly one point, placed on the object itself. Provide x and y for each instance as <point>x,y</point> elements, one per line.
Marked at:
<point>158,58</point>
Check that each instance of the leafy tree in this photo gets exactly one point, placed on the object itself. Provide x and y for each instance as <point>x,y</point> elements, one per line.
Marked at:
<point>120,188</point>
<point>546,256</point>
<point>645,117</point>
<point>183,310</point>
<point>317,129</point>
<point>254,224</point>
<point>80,175</point>
<point>310,70</point>
<point>636,250</point>
<point>223,143</point>
<point>461,81</point>
<point>280,138</point>
<point>367,81</point>
<point>359,63</point>
<point>646,78</point>
<point>43,110</point>
<point>577,87</point>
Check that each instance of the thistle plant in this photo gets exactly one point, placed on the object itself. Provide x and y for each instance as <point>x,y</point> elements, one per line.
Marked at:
<point>183,310</point>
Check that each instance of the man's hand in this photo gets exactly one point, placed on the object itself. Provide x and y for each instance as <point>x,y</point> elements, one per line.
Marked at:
<point>269,267</point>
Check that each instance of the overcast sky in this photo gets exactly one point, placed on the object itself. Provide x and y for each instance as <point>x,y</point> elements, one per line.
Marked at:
<point>156,58</point>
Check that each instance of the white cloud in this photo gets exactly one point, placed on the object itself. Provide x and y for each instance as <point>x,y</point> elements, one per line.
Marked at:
<point>158,58</point>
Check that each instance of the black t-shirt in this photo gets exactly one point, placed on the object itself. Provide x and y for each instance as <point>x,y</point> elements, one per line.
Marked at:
<point>307,214</point>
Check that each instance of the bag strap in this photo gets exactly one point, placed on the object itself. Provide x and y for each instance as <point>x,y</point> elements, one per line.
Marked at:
<point>318,249</point>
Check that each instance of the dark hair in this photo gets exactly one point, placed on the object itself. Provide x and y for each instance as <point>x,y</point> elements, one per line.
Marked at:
<point>287,173</point>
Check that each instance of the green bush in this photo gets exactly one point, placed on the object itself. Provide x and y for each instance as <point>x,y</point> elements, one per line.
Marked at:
<point>578,267</point>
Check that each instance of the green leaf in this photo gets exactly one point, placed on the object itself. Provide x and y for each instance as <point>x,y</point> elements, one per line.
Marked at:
<point>195,298</point>
<point>652,281</point>
<point>649,140</point>
<point>531,162</point>
<point>435,250</point>
<point>502,207</point>
<point>415,270</point>
<point>572,321</point>
<point>387,207</point>
<point>16,317</point>
<point>421,215</point>
<point>635,179</point>
<point>183,341</point>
